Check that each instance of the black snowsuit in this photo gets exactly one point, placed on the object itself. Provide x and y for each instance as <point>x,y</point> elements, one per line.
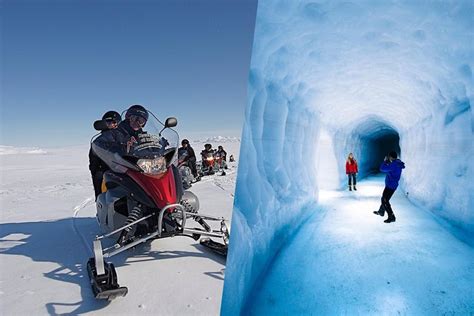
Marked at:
<point>97,168</point>
<point>190,159</point>
<point>114,140</point>
<point>223,154</point>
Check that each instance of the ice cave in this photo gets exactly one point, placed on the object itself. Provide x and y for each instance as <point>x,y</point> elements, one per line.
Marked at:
<point>332,77</point>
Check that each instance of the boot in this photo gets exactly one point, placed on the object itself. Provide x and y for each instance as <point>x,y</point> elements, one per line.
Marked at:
<point>381,211</point>
<point>391,217</point>
<point>350,188</point>
<point>355,189</point>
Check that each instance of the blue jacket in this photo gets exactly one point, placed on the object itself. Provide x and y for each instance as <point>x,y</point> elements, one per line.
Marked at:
<point>394,171</point>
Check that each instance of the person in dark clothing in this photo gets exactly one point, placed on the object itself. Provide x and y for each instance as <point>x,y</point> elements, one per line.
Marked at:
<point>122,139</point>
<point>207,150</point>
<point>117,136</point>
<point>189,157</point>
<point>97,167</point>
<point>393,167</point>
<point>351,171</point>
<point>222,153</point>
<point>206,154</point>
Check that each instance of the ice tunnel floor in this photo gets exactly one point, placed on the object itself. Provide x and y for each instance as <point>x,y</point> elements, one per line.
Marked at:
<point>350,261</point>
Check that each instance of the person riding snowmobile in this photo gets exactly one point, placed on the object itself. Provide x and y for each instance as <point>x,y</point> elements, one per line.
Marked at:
<point>207,157</point>
<point>97,167</point>
<point>189,157</point>
<point>222,153</point>
<point>122,138</point>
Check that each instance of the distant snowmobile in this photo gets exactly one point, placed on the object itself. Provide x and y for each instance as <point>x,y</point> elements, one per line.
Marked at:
<point>211,162</point>
<point>142,199</point>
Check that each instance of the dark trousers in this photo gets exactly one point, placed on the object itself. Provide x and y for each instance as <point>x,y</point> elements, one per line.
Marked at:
<point>386,196</point>
<point>192,166</point>
<point>352,176</point>
<point>97,182</point>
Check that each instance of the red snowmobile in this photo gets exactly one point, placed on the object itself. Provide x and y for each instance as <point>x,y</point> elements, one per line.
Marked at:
<point>142,199</point>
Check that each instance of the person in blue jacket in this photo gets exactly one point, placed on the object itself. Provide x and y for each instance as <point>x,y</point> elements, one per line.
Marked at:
<point>392,166</point>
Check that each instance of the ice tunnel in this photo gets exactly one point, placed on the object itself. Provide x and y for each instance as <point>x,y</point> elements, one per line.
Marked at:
<point>332,77</point>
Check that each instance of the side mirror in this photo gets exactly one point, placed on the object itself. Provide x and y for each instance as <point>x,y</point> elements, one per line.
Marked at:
<point>171,122</point>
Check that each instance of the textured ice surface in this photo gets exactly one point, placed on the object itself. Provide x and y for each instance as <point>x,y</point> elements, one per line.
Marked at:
<point>347,261</point>
<point>332,77</point>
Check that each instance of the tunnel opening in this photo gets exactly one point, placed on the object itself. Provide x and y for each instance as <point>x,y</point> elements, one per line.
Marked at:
<point>378,146</point>
<point>370,140</point>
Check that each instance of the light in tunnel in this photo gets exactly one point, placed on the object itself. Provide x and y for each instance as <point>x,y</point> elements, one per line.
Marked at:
<point>370,139</point>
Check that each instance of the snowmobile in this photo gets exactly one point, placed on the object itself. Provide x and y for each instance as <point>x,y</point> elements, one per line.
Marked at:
<point>208,165</point>
<point>142,199</point>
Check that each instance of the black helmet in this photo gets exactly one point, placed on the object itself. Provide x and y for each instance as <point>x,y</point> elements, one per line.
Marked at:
<point>220,147</point>
<point>112,116</point>
<point>393,154</point>
<point>208,146</point>
<point>137,110</point>
<point>184,141</point>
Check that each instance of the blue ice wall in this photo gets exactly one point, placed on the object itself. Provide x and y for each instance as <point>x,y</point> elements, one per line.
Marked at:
<point>272,187</point>
<point>330,77</point>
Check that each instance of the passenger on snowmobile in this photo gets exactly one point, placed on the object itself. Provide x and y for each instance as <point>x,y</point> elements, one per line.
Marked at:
<point>189,158</point>
<point>122,138</point>
<point>221,158</point>
<point>97,167</point>
<point>222,153</point>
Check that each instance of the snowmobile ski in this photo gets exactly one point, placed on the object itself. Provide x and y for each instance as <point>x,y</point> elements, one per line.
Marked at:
<point>218,248</point>
<point>105,286</point>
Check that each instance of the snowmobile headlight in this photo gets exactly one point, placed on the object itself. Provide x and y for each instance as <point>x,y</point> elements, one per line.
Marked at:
<point>210,158</point>
<point>153,166</point>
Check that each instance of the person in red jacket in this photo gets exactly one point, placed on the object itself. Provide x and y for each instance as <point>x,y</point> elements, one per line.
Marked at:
<point>351,171</point>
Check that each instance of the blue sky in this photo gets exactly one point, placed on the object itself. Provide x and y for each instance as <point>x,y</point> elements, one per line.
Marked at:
<point>64,63</point>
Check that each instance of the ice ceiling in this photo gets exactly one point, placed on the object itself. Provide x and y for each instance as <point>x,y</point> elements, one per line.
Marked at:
<point>331,77</point>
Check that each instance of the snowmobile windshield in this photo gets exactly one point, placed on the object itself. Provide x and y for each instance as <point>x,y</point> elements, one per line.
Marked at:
<point>138,149</point>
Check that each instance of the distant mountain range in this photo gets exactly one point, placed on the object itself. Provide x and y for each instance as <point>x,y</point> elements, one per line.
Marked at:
<point>10,150</point>
<point>219,139</point>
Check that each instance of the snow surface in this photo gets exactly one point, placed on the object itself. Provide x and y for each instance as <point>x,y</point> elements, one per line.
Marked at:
<point>332,77</point>
<point>47,226</point>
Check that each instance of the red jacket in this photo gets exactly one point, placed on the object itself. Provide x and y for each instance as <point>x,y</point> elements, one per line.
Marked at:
<point>351,167</point>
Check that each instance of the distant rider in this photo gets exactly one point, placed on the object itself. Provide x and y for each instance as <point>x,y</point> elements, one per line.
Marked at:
<point>208,151</point>
<point>393,167</point>
<point>110,121</point>
<point>222,153</point>
<point>189,157</point>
